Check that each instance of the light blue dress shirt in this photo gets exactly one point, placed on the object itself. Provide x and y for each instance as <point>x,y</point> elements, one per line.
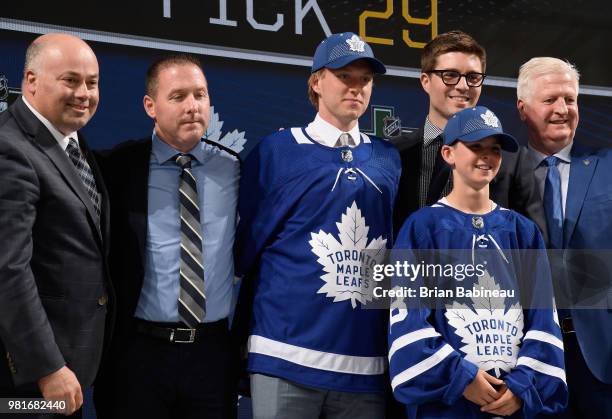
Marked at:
<point>217,173</point>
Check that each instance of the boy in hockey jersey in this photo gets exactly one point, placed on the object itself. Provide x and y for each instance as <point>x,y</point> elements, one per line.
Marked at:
<point>312,199</point>
<point>486,356</point>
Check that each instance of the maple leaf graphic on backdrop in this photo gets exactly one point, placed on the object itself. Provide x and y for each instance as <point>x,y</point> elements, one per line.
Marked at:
<point>491,310</point>
<point>353,235</point>
<point>234,140</point>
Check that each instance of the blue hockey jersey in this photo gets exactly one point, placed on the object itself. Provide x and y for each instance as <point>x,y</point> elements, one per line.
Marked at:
<point>306,213</point>
<point>435,352</point>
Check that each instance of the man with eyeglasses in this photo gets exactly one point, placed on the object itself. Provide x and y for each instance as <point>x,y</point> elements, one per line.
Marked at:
<point>452,72</point>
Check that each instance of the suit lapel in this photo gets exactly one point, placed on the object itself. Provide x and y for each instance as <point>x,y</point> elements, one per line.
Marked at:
<point>439,179</point>
<point>139,193</point>
<point>49,146</point>
<point>105,203</point>
<point>583,166</point>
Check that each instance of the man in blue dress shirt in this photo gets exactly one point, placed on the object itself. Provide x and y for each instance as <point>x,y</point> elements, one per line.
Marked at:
<point>173,217</point>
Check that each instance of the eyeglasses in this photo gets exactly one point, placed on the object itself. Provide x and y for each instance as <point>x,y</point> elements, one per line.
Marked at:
<point>452,78</point>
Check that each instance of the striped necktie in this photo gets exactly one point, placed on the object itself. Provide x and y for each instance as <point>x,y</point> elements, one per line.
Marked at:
<point>344,140</point>
<point>192,301</point>
<point>84,171</point>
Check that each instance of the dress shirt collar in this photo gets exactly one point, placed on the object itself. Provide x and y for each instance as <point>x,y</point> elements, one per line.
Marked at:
<point>430,132</point>
<point>61,139</point>
<point>564,154</point>
<point>164,152</point>
<point>325,133</point>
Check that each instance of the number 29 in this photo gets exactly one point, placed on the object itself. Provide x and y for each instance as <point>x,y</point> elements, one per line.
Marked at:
<point>432,21</point>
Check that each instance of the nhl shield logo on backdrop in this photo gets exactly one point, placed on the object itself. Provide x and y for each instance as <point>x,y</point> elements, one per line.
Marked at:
<point>4,92</point>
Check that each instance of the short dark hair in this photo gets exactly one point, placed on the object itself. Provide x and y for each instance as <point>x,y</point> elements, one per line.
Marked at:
<point>453,41</point>
<point>164,62</point>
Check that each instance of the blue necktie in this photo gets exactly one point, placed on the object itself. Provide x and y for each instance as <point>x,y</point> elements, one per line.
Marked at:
<point>553,203</point>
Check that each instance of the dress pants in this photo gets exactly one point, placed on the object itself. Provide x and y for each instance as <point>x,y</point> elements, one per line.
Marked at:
<point>157,379</point>
<point>276,398</point>
<point>588,397</point>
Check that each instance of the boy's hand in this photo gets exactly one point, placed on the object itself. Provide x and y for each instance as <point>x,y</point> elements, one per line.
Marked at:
<point>507,404</point>
<point>481,391</point>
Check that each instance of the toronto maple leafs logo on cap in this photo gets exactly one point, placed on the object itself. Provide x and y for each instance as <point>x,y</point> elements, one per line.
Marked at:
<point>475,124</point>
<point>490,119</point>
<point>356,44</point>
<point>341,49</point>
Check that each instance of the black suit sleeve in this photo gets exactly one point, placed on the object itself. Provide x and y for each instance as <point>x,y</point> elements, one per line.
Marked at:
<point>523,196</point>
<point>25,331</point>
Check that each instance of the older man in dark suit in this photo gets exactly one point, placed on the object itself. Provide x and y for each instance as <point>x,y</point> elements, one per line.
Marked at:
<point>574,182</point>
<point>53,220</point>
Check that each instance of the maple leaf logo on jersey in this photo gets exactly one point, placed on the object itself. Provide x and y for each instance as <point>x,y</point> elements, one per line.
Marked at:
<point>348,272</point>
<point>491,334</point>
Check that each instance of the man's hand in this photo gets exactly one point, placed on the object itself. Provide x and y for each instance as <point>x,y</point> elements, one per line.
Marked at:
<point>506,405</point>
<point>62,385</point>
<point>481,391</point>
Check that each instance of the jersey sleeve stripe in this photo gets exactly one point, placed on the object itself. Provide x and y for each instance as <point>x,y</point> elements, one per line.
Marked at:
<point>422,366</point>
<point>544,337</point>
<point>542,367</point>
<point>311,358</point>
<point>411,337</point>
<point>299,136</point>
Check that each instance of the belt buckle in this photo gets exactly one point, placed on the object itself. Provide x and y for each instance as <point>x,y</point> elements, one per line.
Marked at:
<point>191,335</point>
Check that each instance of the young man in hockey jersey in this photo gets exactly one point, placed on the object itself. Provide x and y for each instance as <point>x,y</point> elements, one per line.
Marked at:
<point>312,199</point>
<point>477,357</point>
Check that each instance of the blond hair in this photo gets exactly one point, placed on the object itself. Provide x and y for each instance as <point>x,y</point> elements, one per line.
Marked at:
<point>312,80</point>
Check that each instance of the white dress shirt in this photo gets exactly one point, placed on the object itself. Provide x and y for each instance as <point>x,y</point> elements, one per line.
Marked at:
<point>326,134</point>
<point>61,139</point>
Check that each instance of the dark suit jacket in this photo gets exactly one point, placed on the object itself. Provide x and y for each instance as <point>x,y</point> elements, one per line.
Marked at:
<point>54,283</point>
<point>588,226</point>
<point>126,173</point>
<point>513,187</point>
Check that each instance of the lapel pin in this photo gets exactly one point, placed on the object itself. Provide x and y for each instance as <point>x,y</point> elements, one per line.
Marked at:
<point>586,162</point>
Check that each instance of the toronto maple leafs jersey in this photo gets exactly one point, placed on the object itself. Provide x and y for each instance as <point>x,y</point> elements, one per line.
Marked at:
<point>435,351</point>
<point>306,213</point>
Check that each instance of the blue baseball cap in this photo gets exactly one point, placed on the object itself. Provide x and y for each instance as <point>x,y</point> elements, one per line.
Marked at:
<point>341,49</point>
<point>475,124</point>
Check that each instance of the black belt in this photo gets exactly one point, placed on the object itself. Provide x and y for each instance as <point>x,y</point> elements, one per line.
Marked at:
<point>178,333</point>
<point>567,325</point>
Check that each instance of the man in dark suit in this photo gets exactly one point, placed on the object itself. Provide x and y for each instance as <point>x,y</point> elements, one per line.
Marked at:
<point>575,183</point>
<point>173,217</point>
<point>452,72</point>
<point>53,228</point>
